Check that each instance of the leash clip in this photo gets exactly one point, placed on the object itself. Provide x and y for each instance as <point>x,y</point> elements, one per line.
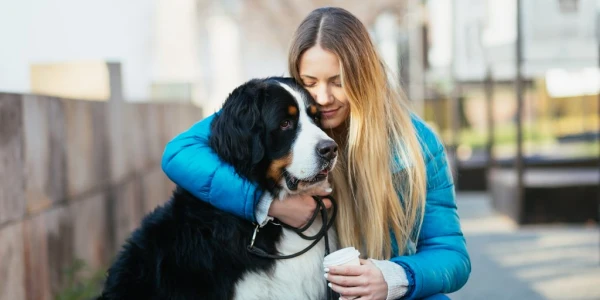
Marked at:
<point>254,235</point>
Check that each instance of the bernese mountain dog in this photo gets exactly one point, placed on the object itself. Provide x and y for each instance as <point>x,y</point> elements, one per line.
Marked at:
<point>187,249</point>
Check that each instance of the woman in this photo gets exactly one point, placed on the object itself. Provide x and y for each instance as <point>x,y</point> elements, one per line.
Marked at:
<point>392,182</point>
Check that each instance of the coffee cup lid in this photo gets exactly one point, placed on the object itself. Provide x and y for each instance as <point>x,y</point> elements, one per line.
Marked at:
<point>341,256</point>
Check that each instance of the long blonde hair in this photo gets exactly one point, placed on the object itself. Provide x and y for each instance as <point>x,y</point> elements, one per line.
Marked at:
<point>379,182</point>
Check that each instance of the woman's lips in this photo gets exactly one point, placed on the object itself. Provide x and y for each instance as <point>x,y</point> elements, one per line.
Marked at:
<point>329,113</point>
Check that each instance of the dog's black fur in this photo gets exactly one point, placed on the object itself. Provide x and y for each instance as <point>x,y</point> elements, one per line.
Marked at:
<point>187,249</point>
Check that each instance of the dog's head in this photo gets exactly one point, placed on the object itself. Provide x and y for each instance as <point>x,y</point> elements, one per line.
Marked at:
<point>268,131</point>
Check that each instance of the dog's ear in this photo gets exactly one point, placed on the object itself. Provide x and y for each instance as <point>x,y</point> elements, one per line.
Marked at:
<point>258,148</point>
<point>238,130</point>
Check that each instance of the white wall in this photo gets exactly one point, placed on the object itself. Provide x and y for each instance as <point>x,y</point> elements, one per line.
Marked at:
<point>212,45</point>
<point>176,42</point>
<point>37,31</point>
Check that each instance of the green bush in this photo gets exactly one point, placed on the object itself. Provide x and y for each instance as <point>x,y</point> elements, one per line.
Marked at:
<point>81,282</point>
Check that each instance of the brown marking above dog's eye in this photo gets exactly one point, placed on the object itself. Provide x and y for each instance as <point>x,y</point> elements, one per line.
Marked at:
<point>275,171</point>
<point>292,110</point>
<point>313,109</point>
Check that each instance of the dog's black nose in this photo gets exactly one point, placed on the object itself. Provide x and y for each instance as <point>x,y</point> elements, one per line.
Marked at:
<point>327,149</point>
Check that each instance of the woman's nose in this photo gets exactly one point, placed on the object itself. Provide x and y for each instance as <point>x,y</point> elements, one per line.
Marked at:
<point>322,96</point>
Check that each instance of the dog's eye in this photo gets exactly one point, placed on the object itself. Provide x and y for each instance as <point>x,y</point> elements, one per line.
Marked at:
<point>286,124</point>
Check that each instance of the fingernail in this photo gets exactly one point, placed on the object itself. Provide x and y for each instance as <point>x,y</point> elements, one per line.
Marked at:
<point>326,275</point>
<point>328,190</point>
<point>326,270</point>
<point>329,284</point>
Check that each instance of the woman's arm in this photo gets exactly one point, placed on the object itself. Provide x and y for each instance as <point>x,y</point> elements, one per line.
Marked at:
<point>189,161</point>
<point>441,264</point>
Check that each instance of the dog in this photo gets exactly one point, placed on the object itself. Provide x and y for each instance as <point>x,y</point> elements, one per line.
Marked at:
<point>268,131</point>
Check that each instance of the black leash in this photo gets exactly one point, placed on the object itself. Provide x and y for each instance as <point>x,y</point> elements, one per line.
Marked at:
<point>300,231</point>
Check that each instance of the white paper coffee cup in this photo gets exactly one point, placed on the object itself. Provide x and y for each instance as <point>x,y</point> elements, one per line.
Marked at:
<point>346,256</point>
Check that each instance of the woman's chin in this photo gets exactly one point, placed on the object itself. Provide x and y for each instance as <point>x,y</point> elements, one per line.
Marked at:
<point>332,123</point>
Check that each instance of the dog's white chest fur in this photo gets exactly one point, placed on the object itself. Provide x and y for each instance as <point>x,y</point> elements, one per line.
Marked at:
<point>296,278</point>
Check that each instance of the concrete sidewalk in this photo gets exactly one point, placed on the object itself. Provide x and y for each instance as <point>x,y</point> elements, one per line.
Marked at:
<point>529,262</point>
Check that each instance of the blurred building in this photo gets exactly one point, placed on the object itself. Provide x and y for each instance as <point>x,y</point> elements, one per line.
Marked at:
<point>469,41</point>
<point>179,50</point>
<point>535,148</point>
<point>198,50</point>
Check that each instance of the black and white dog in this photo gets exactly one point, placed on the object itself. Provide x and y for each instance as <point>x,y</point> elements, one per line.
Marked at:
<point>187,249</point>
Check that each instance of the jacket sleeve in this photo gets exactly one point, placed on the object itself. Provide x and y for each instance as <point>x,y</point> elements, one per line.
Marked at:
<point>441,263</point>
<point>190,163</point>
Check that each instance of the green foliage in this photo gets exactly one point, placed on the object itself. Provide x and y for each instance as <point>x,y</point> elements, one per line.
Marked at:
<point>81,282</point>
<point>505,134</point>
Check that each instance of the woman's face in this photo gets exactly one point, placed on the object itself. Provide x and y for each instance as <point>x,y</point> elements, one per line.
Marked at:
<point>320,74</point>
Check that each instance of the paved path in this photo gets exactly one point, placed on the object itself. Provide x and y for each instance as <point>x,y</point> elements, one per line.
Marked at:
<point>528,262</point>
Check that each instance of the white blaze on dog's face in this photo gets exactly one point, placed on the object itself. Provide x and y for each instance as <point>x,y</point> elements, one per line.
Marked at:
<point>313,153</point>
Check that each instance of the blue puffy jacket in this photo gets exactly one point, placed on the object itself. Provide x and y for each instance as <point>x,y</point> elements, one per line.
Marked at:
<point>441,263</point>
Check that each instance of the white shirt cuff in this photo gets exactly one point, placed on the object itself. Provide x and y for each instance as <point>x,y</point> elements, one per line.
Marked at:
<point>261,213</point>
<point>395,277</point>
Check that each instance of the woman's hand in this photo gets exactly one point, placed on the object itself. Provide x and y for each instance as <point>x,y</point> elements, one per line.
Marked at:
<point>364,281</point>
<point>297,210</point>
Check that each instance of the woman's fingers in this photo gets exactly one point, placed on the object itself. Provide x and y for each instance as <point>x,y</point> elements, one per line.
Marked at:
<point>294,211</point>
<point>365,281</point>
<point>327,203</point>
<point>348,292</point>
<point>346,270</point>
<point>346,281</point>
